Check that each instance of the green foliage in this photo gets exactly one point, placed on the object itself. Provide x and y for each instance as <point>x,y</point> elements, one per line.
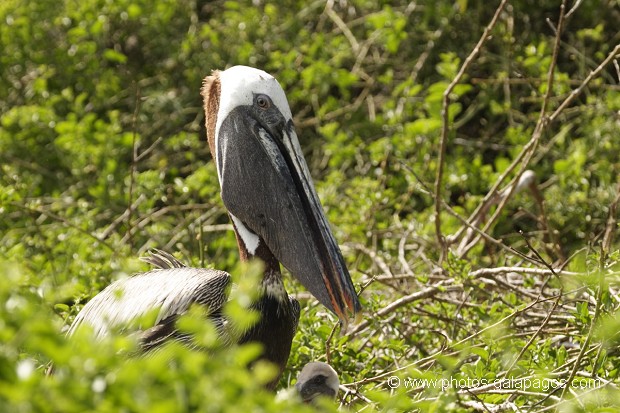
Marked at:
<point>90,375</point>
<point>103,156</point>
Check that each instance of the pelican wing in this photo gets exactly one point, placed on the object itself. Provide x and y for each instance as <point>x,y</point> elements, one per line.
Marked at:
<point>171,291</point>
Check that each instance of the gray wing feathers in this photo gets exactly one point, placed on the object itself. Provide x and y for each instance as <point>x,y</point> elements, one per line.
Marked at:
<point>170,290</point>
<point>162,260</point>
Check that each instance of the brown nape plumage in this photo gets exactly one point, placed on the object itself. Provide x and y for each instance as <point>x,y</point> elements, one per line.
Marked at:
<point>316,380</point>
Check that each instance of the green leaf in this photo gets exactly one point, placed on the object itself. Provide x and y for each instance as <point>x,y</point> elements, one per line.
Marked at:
<point>114,56</point>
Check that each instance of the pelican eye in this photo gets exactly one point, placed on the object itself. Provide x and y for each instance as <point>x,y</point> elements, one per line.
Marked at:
<point>263,101</point>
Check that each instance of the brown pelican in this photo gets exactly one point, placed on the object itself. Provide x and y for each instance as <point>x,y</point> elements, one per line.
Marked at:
<point>276,215</point>
<point>317,379</point>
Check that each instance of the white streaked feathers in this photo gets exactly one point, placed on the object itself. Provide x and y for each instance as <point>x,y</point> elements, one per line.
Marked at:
<point>273,152</point>
<point>249,238</point>
<point>170,290</point>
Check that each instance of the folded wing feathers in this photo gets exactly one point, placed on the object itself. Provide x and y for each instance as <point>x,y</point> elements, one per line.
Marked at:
<point>162,260</point>
<point>172,290</point>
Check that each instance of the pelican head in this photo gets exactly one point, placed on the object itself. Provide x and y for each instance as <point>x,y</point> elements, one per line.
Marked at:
<point>317,379</point>
<point>266,185</point>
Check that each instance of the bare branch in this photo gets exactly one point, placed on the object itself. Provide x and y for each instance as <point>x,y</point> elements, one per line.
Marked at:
<point>576,92</point>
<point>445,122</point>
<point>418,295</point>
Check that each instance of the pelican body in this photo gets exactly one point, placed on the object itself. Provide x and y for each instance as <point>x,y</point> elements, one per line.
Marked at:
<point>277,217</point>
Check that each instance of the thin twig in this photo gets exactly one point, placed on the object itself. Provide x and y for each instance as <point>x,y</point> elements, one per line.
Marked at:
<point>576,92</point>
<point>122,217</point>
<point>526,154</point>
<point>340,111</point>
<point>418,295</point>
<point>328,343</point>
<point>574,8</point>
<point>525,181</point>
<point>536,81</point>
<point>445,124</point>
<point>502,270</point>
<point>441,352</point>
<point>64,221</point>
<point>379,262</point>
<point>156,214</point>
<point>455,214</point>
<point>329,11</point>
<point>527,241</point>
<point>148,150</point>
<point>547,318</point>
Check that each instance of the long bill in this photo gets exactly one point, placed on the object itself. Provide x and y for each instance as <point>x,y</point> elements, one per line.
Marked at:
<point>267,188</point>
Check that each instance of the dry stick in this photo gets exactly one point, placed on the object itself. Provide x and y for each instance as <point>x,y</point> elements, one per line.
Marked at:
<point>376,259</point>
<point>444,129</point>
<point>489,238</point>
<point>502,270</point>
<point>64,221</point>
<point>342,26</point>
<point>418,295</point>
<point>574,8</point>
<point>521,291</point>
<point>547,318</point>
<point>201,246</point>
<point>358,50</point>
<point>401,252</point>
<point>537,254</point>
<point>552,238</point>
<point>571,361</point>
<point>352,107</point>
<point>585,82</point>
<point>148,150</point>
<point>438,353</point>
<point>467,224</point>
<point>367,284</point>
<point>184,226</point>
<point>328,344</point>
<point>155,214</point>
<point>511,392</point>
<point>492,194</point>
<point>528,150</point>
<point>508,317</point>
<point>122,217</point>
<point>534,80</point>
<point>480,405</point>
<point>526,180</point>
<point>363,52</point>
<point>430,44</point>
